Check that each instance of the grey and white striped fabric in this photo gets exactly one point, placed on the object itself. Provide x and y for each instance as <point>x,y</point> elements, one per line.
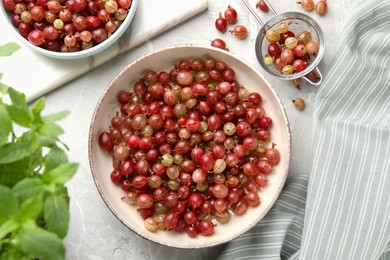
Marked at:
<point>342,209</point>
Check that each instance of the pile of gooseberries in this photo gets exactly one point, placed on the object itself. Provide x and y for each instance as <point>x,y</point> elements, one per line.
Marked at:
<point>69,25</point>
<point>287,51</point>
<point>190,147</point>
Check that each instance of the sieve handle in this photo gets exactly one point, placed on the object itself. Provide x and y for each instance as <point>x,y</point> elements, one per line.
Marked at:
<point>315,83</point>
<point>270,7</point>
<point>253,11</point>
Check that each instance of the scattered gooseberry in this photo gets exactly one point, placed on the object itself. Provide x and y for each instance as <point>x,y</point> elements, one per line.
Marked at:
<point>321,7</point>
<point>230,15</point>
<point>307,5</point>
<point>240,32</point>
<point>221,23</point>
<point>219,43</point>
<point>299,103</point>
<point>262,6</point>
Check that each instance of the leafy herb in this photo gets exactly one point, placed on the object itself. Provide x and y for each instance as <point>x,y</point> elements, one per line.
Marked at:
<point>8,48</point>
<point>34,202</point>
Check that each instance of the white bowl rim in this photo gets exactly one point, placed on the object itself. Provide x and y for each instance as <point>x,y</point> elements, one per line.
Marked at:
<point>77,54</point>
<point>288,145</point>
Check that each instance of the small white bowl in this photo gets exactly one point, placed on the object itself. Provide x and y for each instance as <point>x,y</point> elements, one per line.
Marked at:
<point>101,161</point>
<point>78,54</point>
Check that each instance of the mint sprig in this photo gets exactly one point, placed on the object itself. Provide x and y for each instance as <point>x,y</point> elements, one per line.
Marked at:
<point>34,168</point>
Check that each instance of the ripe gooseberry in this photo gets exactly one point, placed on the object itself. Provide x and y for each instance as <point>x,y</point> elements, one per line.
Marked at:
<point>283,28</point>
<point>268,60</point>
<point>291,42</point>
<point>307,5</point>
<point>99,35</point>
<point>304,37</point>
<point>273,155</point>
<point>311,47</point>
<point>299,103</point>
<point>287,56</point>
<point>50,32</point>
<point>228,75</point>
<point>288,69</point>
<point>262,6</point>
<point>9,4</point>
<point>36,37</point>
<point>321,7</point>
<point>300,50</point>
<point>240,32</point>
<point>117,177</point>
<point>254,98</point>
<point>219,43</point>
<point>79,5</point>
<point>184,77</point>
<point>274,50</point>
<point>171,220</point>
<point>124,3</point>
<point>312,75</point>
<point>252,198</point>
<point>230,15</point>
<point>205,227</point>
<point>195,200</point>
<point>279,63</point>
<point>37,13</point>
<point>299,65</point>
<point>272,35</point>
<point>221,23</point>
<point>145,201</point>
<point>285,35</point>
<point>265,121</point>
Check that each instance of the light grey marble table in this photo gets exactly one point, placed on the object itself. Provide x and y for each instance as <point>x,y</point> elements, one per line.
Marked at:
<point>94,232</point>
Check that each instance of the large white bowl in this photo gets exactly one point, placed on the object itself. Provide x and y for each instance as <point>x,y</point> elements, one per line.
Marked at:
<point>101,162</point>
<point>79,54</point>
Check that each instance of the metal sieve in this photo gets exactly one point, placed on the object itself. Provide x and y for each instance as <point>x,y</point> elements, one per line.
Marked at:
<point>297,22</point>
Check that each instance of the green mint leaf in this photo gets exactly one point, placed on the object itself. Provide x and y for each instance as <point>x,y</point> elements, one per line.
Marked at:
<point>50,130</point>
<point>8,227</point>
<point>8,48</point>
<point>63,191</point>
<point>46,141</point>
<point>20,115</point>
<point>17,98</point>
<point>3,88</point>
<point>19,109</point>
<point>30,208</point>
<point>54,158</point>
<point>39,243</point>
<point>5,125</point>
<point>11,173</point>
<point>27,188</point>
<point>61,174</point>
<point>55,116</point>
<point>38,106</point>
<point>56,214</point>
<point>12,152</point>
<point>8,203</point>
<point>14,255</point>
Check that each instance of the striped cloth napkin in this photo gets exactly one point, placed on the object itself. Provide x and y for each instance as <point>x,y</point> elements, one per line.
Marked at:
<point>342,209</point>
